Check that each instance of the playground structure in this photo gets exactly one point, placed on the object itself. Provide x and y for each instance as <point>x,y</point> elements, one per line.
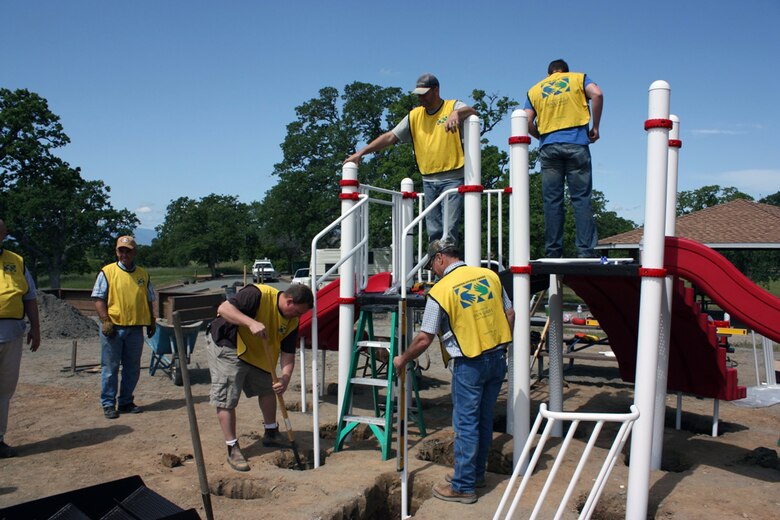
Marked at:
<point>669,332</point>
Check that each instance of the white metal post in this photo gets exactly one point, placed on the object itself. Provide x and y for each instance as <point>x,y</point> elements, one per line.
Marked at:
<point>407,215</point>
<point>472,200</point>
<point>519,223</point>
<point>659,416</point>
<point>652,286</point>
<point>303,374</point>
<point>349,194</point>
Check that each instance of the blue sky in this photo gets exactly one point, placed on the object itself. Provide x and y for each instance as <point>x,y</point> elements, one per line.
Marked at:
<point>163,99</point>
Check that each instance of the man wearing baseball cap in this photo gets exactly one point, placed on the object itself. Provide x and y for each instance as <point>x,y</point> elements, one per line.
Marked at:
<point>435,130</point>
<point>473,316</point>
<point>123,296</point>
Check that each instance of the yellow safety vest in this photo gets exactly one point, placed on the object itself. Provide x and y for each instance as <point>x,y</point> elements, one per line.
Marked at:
<point>13,286</point>
<point>128,296</point>
<point>435,149</point>
<point>250,348</point>
<point>473,300</point>
<point>559,102</point>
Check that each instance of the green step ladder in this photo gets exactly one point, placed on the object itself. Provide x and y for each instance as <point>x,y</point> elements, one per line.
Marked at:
<point>377,374</point>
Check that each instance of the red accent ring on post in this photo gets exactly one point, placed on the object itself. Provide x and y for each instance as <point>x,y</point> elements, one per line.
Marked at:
<point>658,123</point>
<point>520,269</point>
<point>520,139</point>
<point>508,190</point>
<point>409,194</point>
<point>471,188</point>
<point>349,182</point>
<point>346,301</point>
<point>349,196</point>
<point>675,143</point>
<point>652,272</point>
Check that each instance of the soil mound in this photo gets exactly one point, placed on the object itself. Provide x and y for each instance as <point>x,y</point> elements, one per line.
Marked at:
<point>60,319</point>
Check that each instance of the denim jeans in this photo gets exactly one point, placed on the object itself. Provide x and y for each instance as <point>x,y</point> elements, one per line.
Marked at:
<point>123,349</point>
<point>476,383</point>
<point>434,221</point>
<point>569,163</point>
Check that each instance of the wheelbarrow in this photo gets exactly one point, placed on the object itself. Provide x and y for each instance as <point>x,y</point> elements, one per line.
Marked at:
<point>164,353</point>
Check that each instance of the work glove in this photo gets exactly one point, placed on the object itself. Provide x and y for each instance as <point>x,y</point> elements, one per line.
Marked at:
<point>151,329</point>
<point>108,328</point>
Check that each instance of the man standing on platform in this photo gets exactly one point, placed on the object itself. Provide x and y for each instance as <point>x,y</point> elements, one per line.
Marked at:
<point>559,115</point>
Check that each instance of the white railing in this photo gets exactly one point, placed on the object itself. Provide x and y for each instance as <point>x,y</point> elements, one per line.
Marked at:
<point>627,421</point>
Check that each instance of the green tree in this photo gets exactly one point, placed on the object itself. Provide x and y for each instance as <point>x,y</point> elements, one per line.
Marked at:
<point>211,230</point>
<point>29,131</point>
<point>327,129</point>
<point>773,199</point>
<point>59,217</point>
<point>706,197</point>
<point>55,216</point>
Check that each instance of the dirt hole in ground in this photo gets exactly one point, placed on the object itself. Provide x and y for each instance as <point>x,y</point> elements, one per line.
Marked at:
<point>609,507</point>
<point>242,488</point>
<point>383,500</point>
<point>286,459</point>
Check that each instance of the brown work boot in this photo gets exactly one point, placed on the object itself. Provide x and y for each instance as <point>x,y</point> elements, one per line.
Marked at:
<point>480,483</point>
<point>236,459</point>
<point>272,438</point>
<point>443,491</point>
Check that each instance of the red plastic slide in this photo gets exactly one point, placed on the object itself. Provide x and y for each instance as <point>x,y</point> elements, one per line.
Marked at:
<point>328,311</point>
<point>724,284</point>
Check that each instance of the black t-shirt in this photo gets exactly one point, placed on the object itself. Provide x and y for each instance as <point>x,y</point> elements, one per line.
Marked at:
<point>247,300</point>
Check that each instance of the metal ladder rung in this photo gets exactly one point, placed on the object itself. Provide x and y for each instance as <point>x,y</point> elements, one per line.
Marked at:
<point>374,344</point>
<point>369,381</point>
<point>365,419</point>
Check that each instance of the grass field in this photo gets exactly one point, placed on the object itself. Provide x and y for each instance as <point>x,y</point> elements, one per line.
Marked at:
<point>161,276</point>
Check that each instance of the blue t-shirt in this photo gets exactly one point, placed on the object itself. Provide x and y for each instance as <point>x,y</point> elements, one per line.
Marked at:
<point>574,135</point>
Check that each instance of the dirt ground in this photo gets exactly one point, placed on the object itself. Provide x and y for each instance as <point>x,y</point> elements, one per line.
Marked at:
<point>65,443</point>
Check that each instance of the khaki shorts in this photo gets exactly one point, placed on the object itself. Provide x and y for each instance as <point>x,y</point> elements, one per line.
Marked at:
<point>230,375</point>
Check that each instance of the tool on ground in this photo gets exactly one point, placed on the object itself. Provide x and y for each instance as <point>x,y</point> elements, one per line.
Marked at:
<point>280,399</point>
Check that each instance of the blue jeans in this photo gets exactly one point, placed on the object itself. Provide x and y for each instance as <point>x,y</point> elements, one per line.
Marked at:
<point>569,163</point>
<point>123,349</point>
<point>476,383</point>
<point>434,221</point>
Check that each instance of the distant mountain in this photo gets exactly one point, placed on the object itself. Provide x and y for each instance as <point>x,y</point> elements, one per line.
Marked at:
<point>145,236</point>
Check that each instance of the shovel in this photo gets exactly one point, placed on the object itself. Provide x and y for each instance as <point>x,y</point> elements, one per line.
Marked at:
<point>287,424</point>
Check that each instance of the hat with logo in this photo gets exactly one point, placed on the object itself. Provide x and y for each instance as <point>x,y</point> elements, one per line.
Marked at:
<point>425,83</point>
<point>442,245</point>
<point>125,241</point>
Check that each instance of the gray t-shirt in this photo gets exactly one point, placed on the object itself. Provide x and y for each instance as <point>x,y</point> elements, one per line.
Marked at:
<point>403,132</point>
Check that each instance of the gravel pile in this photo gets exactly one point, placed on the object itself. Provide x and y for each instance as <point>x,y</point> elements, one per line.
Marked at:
<point>60,319</point>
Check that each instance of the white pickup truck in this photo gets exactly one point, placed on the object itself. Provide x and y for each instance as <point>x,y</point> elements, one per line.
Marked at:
<point>263,271</point>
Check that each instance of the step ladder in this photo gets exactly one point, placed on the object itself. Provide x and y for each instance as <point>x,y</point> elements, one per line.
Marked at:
<point>370,368</point>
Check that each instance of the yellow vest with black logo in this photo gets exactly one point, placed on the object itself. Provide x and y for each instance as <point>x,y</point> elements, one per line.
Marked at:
<point>13,286</point>
<point>128,296</point>
<point>250,348</point>
<point>435,149</point>
<point>559,102</point>
<point>473,300</point>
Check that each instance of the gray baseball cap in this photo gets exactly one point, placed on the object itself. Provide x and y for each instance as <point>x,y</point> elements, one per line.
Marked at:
<point>425,83</point>
<point>438,246</point>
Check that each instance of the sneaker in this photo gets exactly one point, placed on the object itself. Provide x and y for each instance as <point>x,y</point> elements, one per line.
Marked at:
<point>480,483</point>
<point>443,491</point>
<point>110,412</point>
<point>236,459</point>
<point>271,437</point>
<point>129,408</point>
<point>6,452</point>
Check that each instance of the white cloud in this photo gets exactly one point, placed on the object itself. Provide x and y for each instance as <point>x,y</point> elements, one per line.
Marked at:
<point>714,131</point>
<point>755,182</point>
<point>143,209</point>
